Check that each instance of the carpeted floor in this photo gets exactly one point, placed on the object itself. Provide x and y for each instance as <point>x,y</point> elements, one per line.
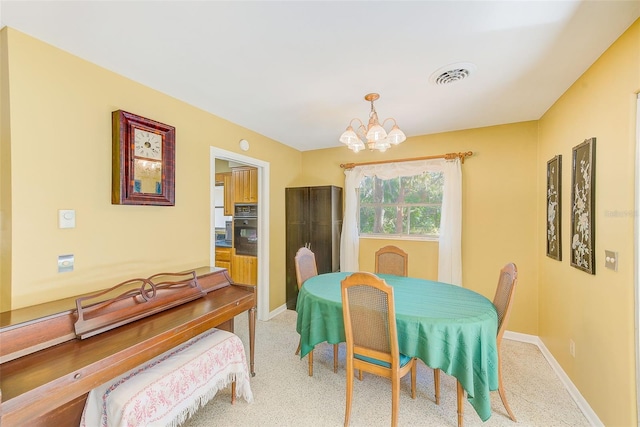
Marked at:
<point>286,396</point>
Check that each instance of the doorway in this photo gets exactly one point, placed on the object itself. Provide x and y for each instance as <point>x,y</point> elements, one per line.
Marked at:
<point>263,220</point>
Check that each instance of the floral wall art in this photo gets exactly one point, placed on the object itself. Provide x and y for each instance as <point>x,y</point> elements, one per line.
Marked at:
<point>583,168</point>
<point>554,189</point>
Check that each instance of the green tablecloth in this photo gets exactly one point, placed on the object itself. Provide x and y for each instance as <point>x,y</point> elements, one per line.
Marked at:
<point>446,326</point>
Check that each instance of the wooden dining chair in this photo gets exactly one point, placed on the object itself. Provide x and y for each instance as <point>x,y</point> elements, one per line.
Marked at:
<point>502,302</point>
<point>306,267</point>
<point>392,260</point>
<point>372,339</point>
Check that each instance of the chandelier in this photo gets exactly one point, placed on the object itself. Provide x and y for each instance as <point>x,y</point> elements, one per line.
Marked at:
<point>374,135</point>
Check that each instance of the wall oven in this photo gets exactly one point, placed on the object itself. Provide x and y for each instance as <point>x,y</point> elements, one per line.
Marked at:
<point>245,229</point>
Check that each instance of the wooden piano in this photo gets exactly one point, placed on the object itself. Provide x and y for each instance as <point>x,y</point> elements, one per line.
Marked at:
<point>47,370</point>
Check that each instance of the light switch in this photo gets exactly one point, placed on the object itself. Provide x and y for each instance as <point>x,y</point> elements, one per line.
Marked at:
<point>66,218</point>
<point>611,260</point>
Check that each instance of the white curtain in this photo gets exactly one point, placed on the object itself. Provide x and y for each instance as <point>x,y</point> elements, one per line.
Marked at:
<point>350,243</point>
<point>349,240</point>
<point>450,246</point>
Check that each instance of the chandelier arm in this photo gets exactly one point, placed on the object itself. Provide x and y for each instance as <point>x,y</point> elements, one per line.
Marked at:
<point>358,120</point>
<point>360,130</point>
<point>387,119</point>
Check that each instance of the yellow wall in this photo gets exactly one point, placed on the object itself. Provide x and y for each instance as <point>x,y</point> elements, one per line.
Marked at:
<point>423,256</point>
<point>60,134</point>
<point>499,208</point>
<point>596,311</point>
<point>222,166</point>
<point>5,180</point>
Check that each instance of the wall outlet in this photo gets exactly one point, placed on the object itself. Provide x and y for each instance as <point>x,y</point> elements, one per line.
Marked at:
<point>611,259</point>
<point>572,348</point>
<point>65,263</point>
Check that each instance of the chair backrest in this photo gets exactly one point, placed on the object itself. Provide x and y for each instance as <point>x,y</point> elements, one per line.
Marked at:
<point>369,318</point>
<point>504,296</point>
<point>392,260</point>
<point>306,267</point>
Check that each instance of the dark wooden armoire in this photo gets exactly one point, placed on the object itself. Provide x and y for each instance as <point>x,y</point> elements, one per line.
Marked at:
<point>314,219</point>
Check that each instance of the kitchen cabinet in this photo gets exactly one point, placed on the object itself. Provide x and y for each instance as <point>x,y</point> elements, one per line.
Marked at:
<point>244,269</point>
<point>313,219</point>
<point>225,180</point>
<point>223,258</point>
<point>228,193</point>
<point>245,184</point>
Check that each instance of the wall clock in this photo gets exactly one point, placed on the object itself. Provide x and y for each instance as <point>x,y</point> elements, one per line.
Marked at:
<point>143,156</point>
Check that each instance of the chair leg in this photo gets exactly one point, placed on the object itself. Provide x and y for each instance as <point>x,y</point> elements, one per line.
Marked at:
<point>233,392</point>
<point>460,404</point>
<point>436,384</point>
<point>414,374</point>
<point>395,398</point>
<point>335,359</point>
<point>502,393</point>
<point>350,374</point>
<point>298,350</point>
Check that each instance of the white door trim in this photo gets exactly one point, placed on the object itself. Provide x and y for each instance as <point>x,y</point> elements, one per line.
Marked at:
<point>263,220</point>
<point>637,255</point>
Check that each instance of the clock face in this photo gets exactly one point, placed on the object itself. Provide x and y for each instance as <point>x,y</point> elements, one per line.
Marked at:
<point>147,144</point>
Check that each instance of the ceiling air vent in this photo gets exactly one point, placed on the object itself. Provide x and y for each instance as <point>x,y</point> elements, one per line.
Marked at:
<point>452,73</point>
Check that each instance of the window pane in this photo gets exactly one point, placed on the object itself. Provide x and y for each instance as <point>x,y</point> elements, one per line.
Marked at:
<point>367,216</point>
<point>401,206</point>
<point>424,220</point>
<point>392,220</point>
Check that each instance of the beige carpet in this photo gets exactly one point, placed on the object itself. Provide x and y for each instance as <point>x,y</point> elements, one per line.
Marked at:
<point>286,396</point>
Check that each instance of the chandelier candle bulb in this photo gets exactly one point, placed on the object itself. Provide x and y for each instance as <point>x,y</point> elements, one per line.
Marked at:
<point>374,135</point>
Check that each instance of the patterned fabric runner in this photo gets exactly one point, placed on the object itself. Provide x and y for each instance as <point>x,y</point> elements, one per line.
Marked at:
<point>168,389</point>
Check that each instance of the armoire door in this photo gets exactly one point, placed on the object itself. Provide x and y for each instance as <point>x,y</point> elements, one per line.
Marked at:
<point>297,229</point>
<point>326,226</point>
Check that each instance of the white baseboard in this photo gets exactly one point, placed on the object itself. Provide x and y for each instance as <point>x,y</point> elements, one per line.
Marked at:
<point>277,311</point>
<point>564,378</point>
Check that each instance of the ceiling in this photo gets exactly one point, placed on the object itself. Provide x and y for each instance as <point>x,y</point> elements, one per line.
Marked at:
<point>297,71</point>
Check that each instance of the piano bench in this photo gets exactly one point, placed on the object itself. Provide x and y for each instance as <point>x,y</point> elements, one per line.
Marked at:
<point>171,387</point>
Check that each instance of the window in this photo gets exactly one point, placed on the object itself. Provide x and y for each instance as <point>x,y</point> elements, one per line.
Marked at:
<point>408,206</point>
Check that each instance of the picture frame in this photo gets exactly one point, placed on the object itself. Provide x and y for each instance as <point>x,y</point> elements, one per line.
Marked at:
<point>583,197</point>
<point>143,161</point>
<point>554,208</point>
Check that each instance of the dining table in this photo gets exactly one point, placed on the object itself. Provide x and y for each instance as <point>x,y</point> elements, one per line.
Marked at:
<point>448,327</point>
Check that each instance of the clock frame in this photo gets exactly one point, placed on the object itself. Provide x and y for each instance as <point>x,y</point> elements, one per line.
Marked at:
<point>138,178</point>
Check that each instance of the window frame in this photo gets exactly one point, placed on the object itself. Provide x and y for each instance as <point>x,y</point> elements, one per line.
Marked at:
<point>407,237</point>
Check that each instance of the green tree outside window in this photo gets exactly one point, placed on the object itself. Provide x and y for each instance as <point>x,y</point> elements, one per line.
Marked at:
<point>403,206</point>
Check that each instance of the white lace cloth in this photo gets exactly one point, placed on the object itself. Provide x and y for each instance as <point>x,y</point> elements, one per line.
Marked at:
<point>168,389</point>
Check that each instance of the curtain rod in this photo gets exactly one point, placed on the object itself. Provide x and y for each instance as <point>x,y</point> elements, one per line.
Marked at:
<point>448,156</point>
